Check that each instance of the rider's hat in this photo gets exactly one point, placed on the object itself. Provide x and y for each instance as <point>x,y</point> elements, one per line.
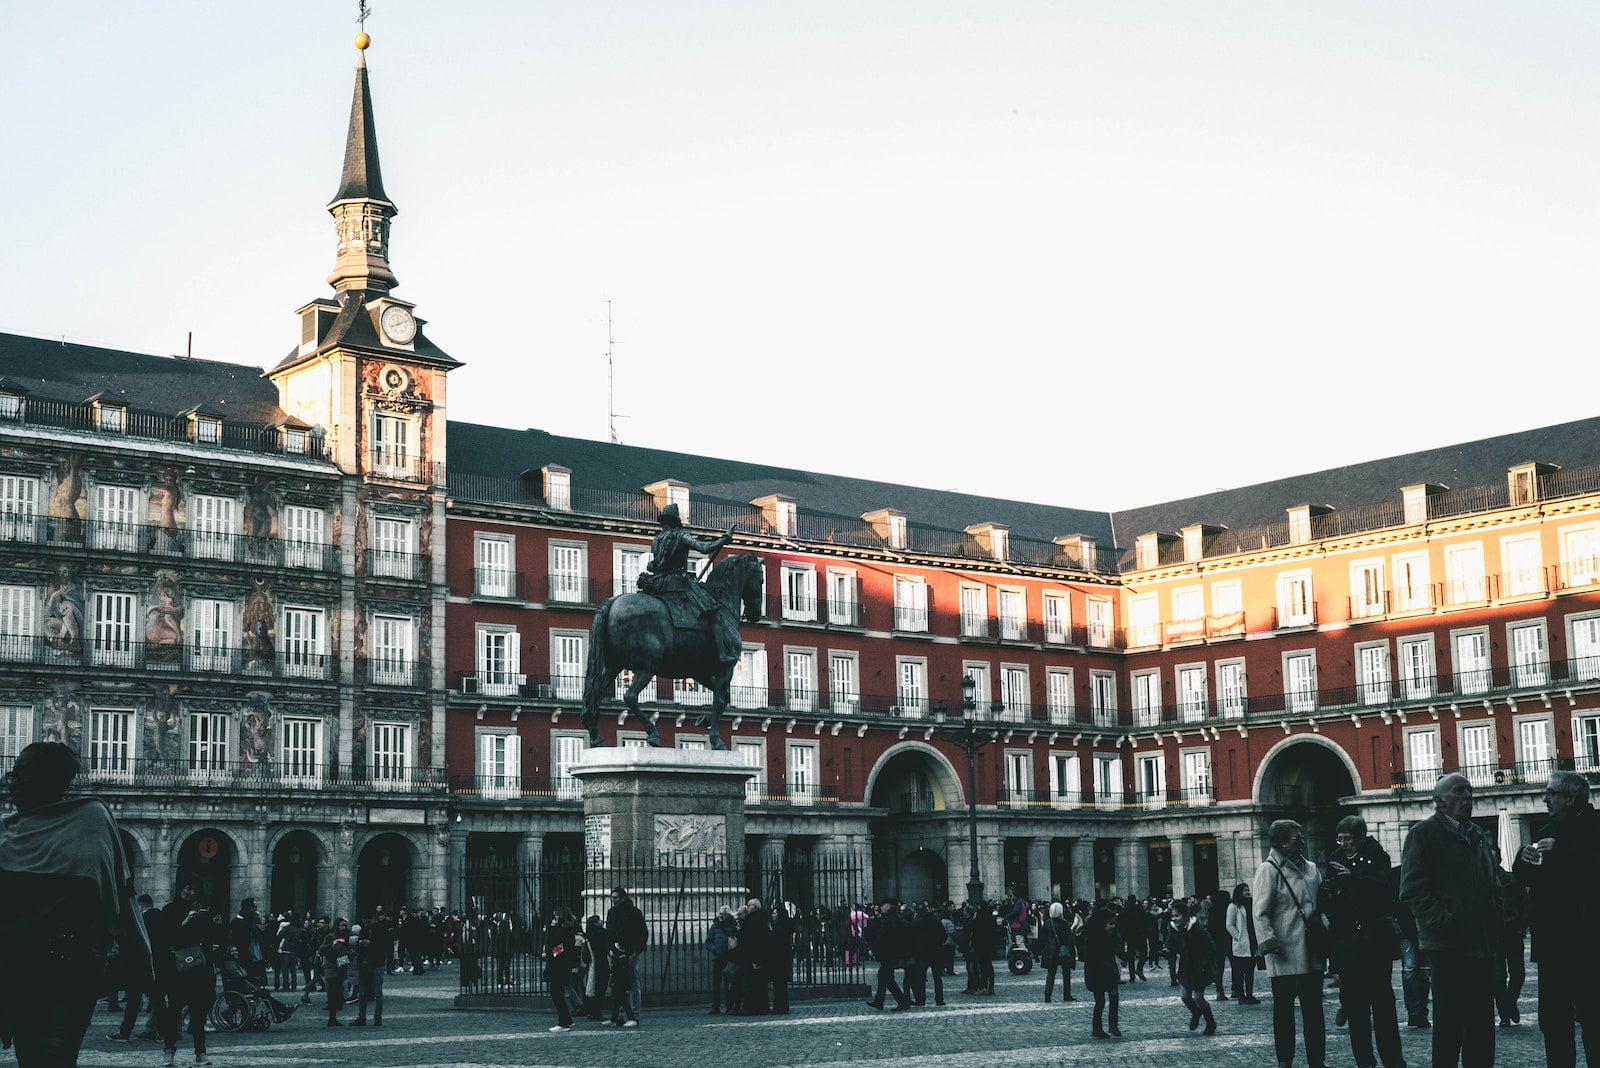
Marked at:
<point>670,517</point>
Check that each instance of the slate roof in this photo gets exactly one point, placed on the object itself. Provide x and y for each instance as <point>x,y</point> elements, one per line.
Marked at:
<point>169,385</point>
<point>362,177</point>
<point>1374,484</point>
<point>353,327</point>
<point>500,453</point>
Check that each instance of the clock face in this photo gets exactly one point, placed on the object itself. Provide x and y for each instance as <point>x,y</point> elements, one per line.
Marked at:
<point>398,325</point>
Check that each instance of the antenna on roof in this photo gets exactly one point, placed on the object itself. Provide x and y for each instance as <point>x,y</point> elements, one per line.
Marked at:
<point>189,353</point>
<point>611,382</point>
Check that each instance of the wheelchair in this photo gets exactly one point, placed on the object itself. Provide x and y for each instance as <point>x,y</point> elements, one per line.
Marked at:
<point>245,1007</point>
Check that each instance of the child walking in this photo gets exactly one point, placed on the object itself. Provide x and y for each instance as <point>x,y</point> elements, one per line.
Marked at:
<point>1197,958</point>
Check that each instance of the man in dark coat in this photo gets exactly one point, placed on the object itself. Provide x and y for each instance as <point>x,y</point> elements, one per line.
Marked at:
<point>1447,879</point>
<point>1357,898</point>
<point>629,936</point>
<point>1561,870</point>
<point>889,939</point>
<point>1216,924</point>
<point>722,928</point>
<point>927,944</point>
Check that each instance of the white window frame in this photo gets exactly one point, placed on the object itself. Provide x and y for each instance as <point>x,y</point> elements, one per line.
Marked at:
<point>844,602</point>
<point>1233,697</point>
<point>499,763</point>
<point>19,508</point>
<point>1535,737</point>
<point>116,518</point>
<point>748,688</point>
<point>1193,700</point>
<point>1012,604</point>
<point>209,756</point>
<point>1150,777</point>
<point>1296,603</point>
<point>569,572</point>
<point>982,685</point>
<point>1017,768</point>
<point>391,754</point>
<point>16,731</point>
<point>1368,597</point>
<point>1522,563</point>
<point>1066,779</point>
<point>1469,661</point>
<point>110,744</point>
<point>112,636</point>
<point>1144,615</point>
<point>1227,597</point>
<point>752,753</point>
<point>1580,553</point>
<point>1145,697</point>
<point>1415,665</point>
<point>1583,646</point>
<point>1424,762</point>
<point>1586,743</point>
<point>498,659</point>
<point>304,535</point>
<point>799,585</point>
<point>1016,693</point>
<point>494,568</point>
<point>1101,621</point>
<point>910,604</point>
<point>19,621</point>
<point>300,755</point>
<point>566,749</point>
<point>1057,617</point>
<point>303,645</point>
<point>974,602</point>
<point>1194,765</point>
<point>1188,604</point>
<point>1300,681</point>
<point>628,562</point>
<point>844,681</point>
<point>213,522</point>
<point>1464,568</point>
<point>911,685</point>
<point>392,434</point>
<point>1108,785</point>
<point>1103,697</point>
<point>1528,652</point>
<point>1373,685</point>
<point>1413,583</point>
<point>569,654</point>
<point>1059,694</point>
<point>804,765</point>
<point>392,650</point>
<point>393,546</point>
<point>799,679</point>
<point>1479,761</point>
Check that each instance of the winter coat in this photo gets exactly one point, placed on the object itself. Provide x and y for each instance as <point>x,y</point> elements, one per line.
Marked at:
<point>1060,945</point>
<point>1240,931</point>
<point>1358,900</point>
<point>1275,914</point>
<point>1197,956</point>
<point>1558,888</point>
<point>722,928</point>
<point>1101,969</point>
<point>1447,879</point>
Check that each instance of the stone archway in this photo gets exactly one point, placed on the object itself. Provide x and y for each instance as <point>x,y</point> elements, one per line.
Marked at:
<point>296,859</point>
<point>1306,779</point>
<point>916,786</point>
<point>913,778</point>
<point>383,875</point>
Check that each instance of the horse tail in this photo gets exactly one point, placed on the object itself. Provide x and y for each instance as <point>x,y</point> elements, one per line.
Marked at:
<point>595,669</point>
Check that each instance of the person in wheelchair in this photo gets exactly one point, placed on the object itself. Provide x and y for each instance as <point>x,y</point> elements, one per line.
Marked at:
<point>236,980</point>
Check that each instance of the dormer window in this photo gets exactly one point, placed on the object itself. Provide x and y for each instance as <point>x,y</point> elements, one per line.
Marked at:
<point>111,418</point>
<point>889,525</point>
<point>671,491</point>
<point>10,406</point>
<point>203,428</point>
<point>1146,552</point>
<point>779,513</point>
<point>1523,482</point>
<point>1300,518</point>
<point>1079,550</point>
<point>993,539</point>
<point>558,487</point>
<point>1415,499</point>
<point>296,441</point>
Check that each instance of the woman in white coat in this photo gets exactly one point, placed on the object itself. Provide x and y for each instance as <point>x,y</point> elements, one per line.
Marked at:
<point>1242,947</point>
<point>1285,895</point>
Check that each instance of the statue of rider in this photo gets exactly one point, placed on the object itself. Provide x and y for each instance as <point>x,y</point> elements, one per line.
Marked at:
<point>668,573</point>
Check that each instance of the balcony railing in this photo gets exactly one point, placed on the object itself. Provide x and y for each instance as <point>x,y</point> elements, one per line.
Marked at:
<point>1517,773</point>
<point>109,536</point>
<point>561,588</point>
<point>393,671</point>
<point>497,583</point>
<point>384,564</point>
<point>570,788</point>
<point>159,656</point>
<point>401,465</point>
<point>102,767</point>
<point>155,426</point>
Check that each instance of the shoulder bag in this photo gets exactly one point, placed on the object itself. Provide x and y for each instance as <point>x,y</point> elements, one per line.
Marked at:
<point>1316,933</point>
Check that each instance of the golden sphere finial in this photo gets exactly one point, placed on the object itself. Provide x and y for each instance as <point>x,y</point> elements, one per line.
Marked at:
<point>362,41</point>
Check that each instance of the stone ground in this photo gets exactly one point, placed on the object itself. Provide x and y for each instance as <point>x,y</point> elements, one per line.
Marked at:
<point>1011,1030</point>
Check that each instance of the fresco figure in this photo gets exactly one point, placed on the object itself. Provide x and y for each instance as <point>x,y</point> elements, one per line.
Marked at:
<point>63,614</point>
<point>163,621</point>
<point>259,626</point>
<point>67,508</point>
<point>255,738</point>
<point>165,515</point>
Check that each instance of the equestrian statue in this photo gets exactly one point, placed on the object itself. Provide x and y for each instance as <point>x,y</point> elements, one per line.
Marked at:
<point>675,627</point>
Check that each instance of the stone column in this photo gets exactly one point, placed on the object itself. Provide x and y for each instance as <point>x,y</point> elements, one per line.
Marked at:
<point>530,853</point>
<point>1182,852</point>
<point>1039,869</point>
<point>1083,869</point>
<point>455,866</point>
<point>992,859</point>
<point>1133,867</point>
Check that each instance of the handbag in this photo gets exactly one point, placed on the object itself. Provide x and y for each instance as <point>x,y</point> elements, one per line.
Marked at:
<point>1317,940</point>
<point>188,958</point>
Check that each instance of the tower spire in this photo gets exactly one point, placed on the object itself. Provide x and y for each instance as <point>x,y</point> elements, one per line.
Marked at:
<point>361,210</point>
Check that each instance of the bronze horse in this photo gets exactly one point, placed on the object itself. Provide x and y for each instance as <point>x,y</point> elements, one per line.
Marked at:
<point>633,632</point>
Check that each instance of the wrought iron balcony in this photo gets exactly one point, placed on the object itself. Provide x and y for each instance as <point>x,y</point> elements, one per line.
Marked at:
<point>497,583</point>
<point>156,426</point>
<point>109,536</point>
<point>196,657</point>
<point>108,767</point>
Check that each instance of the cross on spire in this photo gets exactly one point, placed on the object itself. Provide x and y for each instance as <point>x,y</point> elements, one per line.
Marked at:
<point>361,15</point>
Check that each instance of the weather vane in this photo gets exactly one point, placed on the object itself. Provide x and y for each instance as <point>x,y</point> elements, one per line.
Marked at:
<point>361,16</point>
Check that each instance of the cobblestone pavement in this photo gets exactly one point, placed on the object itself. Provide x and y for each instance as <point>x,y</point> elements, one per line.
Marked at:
<point>1014,1029</point>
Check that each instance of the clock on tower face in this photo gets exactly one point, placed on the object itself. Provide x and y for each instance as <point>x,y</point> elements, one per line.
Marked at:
<point>398,325</point>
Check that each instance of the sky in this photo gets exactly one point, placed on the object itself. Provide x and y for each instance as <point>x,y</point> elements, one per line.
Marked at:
<point>1097,255</point>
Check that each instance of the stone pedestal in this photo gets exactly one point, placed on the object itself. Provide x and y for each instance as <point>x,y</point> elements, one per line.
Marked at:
<point>667,825</point>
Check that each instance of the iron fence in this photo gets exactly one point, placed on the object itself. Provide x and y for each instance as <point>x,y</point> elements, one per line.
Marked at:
<point>510,904</point>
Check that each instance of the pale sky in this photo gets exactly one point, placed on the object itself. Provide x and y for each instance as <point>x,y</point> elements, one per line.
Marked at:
<point>1086,254</point>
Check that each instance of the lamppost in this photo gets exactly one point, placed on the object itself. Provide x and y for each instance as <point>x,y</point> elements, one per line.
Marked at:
<point>970,737</point>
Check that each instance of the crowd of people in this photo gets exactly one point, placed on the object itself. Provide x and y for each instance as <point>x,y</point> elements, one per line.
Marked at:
<point>1451,912</point>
